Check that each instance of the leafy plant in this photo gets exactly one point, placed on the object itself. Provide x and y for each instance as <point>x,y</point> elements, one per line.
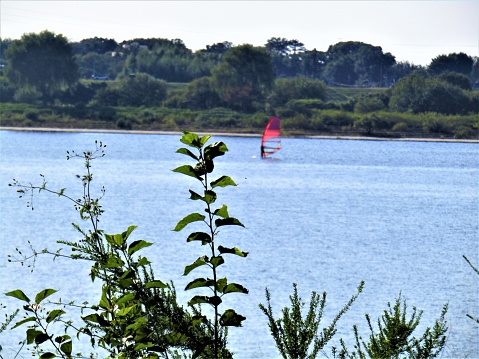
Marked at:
<point>297,337</point>
<point>214,219</point>
<point>137,314</point>
<point>394,336</point>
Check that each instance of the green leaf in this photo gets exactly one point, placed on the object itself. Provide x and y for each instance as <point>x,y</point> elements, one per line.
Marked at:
<point>198,263</point>
<point>143,262</point>
<point>48,355</point>
<point>205,238</point>
<point>194,195</point>
<point>41,338</point>
<point>156,284</point>
<point>54,314</point>
<point>116,240</point>
<point>66,347</point>
<point>223,181</point>
<point>199,299</point>
<point>192,217</point>
<point>222,211</point>
<point>137,245</point>
<point>230,221</point>
<point>124,311</point>
<point>187,170</point>
<point>221,283</point>
<point>231,319</point>
<point>96,318</point>
<point>32,334</point>
<point>214,150</point>
<point>62,338</point>
<point>143,346</point>
<point>199,283</point>
<point>113,262</point>
<point>19,295</point>
<point>187,152</point>
<point>209,197</point>
<point>127,233</point>
<point>204,139</point>
<point>193,140</point>
<point>204,299</point>
<point>217,261</point>
<point>43,294</point>
<point>26,320</point>
<point>235,288</point>
<point>233,250</point>
<point>126,298</point>
<point>127,278</point>
<point>175,338</point>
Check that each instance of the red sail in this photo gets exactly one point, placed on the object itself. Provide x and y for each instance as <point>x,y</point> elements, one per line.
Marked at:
<point>271,141</point>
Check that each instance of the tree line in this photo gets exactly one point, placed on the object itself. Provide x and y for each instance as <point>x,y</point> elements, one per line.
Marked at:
<point>281,77</point>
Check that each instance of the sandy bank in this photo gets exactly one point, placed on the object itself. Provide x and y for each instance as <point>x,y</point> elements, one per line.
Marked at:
<point>230,134</point>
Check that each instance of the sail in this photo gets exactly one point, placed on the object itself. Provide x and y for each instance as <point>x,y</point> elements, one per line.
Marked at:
<point>271,141</point>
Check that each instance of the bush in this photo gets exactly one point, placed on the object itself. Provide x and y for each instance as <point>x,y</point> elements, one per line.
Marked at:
<point>286,89</point>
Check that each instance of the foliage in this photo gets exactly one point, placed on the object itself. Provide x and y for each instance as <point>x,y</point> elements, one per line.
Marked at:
<point>357,63</point>
<point>300,87</point>
<point>419,93</point>
<point>43,62</point>
<point>455,62</point>
<point>135,91</point>
<point>199,94</point>
<point>293,334</point>
<point>98,45</point>
<point>214,220</point>
<point>137,314</point>
<point>141,90</point>
<point>244,77</point>
<point>394,336</point>
<point>456,79</point>
<point>369,103</point>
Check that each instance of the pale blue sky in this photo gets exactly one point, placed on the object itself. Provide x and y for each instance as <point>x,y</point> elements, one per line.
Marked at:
<point>414,31</point>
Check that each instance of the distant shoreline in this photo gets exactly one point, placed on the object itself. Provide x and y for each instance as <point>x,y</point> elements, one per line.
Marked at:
<point>230,134</point>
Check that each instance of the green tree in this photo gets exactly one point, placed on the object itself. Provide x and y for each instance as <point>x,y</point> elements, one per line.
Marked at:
<point>98,45</point>
<point>244,78</point>
<point>141,90</point>
<point>297,337</point>
<point>394,337</point>
<point>357,63</point>
<point>456,79</point>
<point>299,87</point>
<point>43,62</point>
<point>198,94</point>
<point>420,93</point>
<point>456,62</point>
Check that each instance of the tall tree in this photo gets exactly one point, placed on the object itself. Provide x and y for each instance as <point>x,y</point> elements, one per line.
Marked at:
<point>460,62</point>
<point>357,63</point>
<point>244,77</point>
<point>43,62</point>
<point>98,45</point>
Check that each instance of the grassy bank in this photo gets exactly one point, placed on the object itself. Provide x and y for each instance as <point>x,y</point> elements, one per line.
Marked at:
<point>306,119</point>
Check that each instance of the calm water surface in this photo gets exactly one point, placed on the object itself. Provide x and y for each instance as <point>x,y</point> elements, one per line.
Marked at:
<point>324,214</point>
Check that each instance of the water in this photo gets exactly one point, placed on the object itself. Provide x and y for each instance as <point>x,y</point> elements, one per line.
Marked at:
<point>324,214</point>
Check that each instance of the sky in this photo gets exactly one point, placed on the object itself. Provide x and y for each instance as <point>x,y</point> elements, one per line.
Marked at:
<point>412,31</point>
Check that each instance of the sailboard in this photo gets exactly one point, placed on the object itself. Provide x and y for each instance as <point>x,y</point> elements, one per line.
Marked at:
<point>271,141</point>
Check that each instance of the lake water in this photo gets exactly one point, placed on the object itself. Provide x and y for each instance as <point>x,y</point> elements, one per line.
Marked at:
<point>324,214</point>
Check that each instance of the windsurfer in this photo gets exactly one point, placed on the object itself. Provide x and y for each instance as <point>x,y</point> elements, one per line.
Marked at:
<point>262,151</point>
